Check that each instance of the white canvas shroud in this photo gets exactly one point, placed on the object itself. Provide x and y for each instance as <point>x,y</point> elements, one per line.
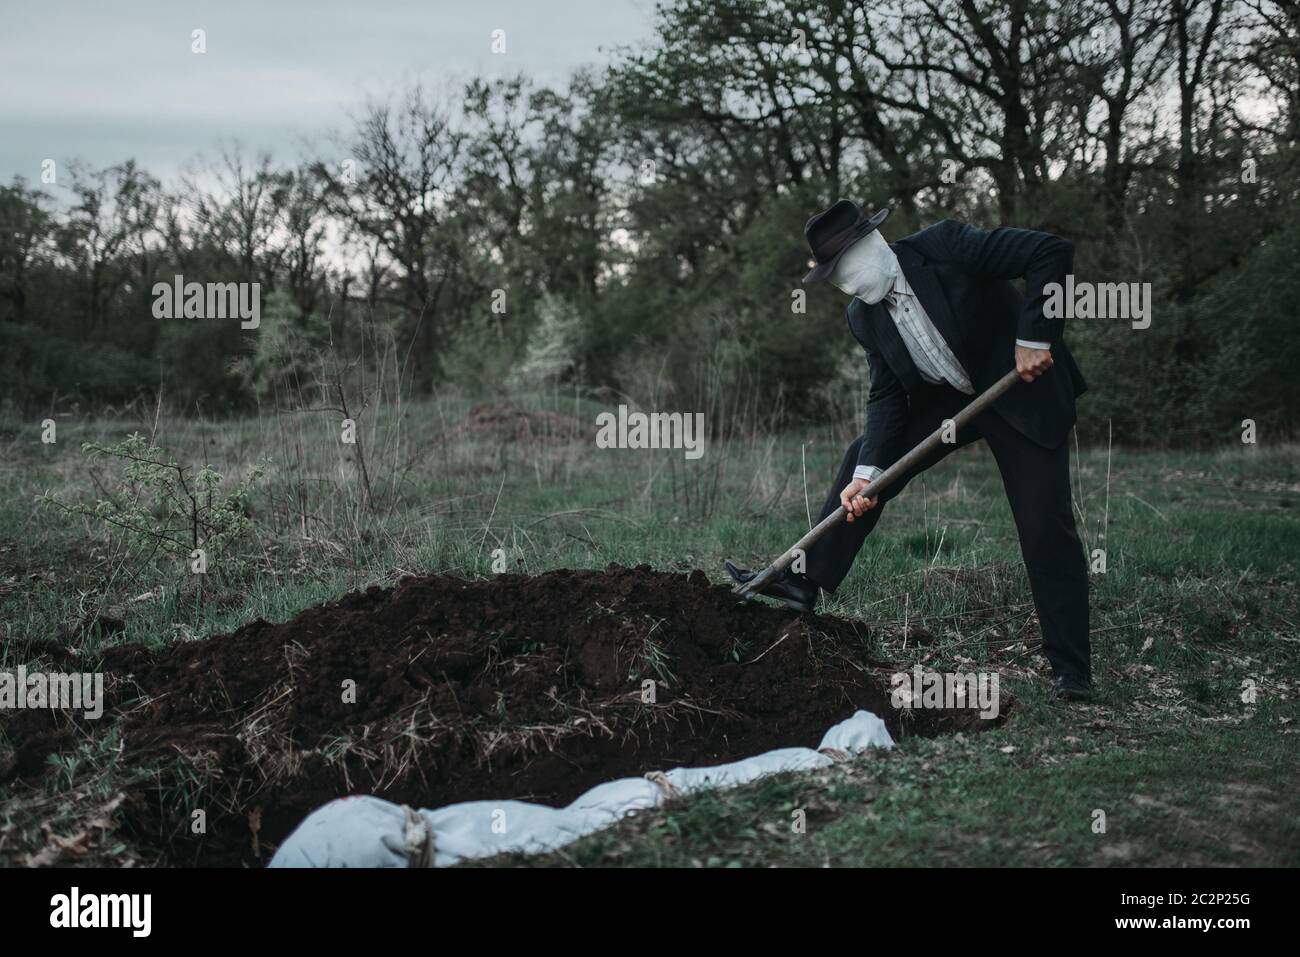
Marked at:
<point>366,831</point>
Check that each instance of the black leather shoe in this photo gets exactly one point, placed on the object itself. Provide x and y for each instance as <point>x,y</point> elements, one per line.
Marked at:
<point>1070,688</point>
<point>791,590</point>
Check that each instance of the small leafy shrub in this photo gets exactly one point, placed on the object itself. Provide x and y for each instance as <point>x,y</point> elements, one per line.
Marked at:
<point>159,506</point>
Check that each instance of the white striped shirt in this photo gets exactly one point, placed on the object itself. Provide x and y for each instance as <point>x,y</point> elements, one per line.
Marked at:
<point>927,347</point>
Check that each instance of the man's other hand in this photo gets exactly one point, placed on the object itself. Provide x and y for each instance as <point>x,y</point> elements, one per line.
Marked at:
<point>1031,363</point>
<point>851,498</point>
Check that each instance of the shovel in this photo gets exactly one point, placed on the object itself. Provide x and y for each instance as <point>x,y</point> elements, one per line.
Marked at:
<point>885,479</point>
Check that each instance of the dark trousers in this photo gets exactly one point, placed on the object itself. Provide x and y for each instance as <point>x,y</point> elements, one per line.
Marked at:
<point>1037,482</point>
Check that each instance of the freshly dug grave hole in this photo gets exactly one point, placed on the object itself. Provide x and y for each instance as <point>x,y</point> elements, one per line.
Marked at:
<point>442,690</point>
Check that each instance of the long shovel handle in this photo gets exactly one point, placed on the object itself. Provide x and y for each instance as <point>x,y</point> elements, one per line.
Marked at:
<point>885,479</point>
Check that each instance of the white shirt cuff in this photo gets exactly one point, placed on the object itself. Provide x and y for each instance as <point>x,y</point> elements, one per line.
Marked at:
<point>868,472</point>
<point>1033,345</point>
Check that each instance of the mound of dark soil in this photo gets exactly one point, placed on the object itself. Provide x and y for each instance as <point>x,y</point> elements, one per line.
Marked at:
<point>442,690</point>
<point>504,422</point>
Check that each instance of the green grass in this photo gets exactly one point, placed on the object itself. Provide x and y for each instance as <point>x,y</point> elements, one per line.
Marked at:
<point>1197,801</point>
<point>1198,597</point>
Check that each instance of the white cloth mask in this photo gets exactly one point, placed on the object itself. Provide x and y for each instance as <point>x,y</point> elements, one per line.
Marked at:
<point>867,269</point>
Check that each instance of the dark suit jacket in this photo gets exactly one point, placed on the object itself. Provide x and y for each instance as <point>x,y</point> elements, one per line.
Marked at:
<point>963,277</point>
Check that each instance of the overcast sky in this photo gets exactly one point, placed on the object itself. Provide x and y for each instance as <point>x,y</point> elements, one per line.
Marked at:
<point>107,80</point>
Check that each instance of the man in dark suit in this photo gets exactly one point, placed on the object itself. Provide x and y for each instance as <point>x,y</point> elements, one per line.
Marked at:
<point>941,321</point>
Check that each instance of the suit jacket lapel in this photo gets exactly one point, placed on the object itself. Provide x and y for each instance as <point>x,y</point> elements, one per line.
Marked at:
<point>872,326</point>
<point>925,283</point>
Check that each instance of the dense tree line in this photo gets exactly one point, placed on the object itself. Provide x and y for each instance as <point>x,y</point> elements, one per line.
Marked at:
<point>642,227</point>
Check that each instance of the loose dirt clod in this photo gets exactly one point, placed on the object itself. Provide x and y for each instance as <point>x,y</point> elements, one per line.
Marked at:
<point>442,690</point>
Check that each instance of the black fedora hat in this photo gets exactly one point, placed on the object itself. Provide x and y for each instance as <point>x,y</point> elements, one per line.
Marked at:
<point>831,232</point>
